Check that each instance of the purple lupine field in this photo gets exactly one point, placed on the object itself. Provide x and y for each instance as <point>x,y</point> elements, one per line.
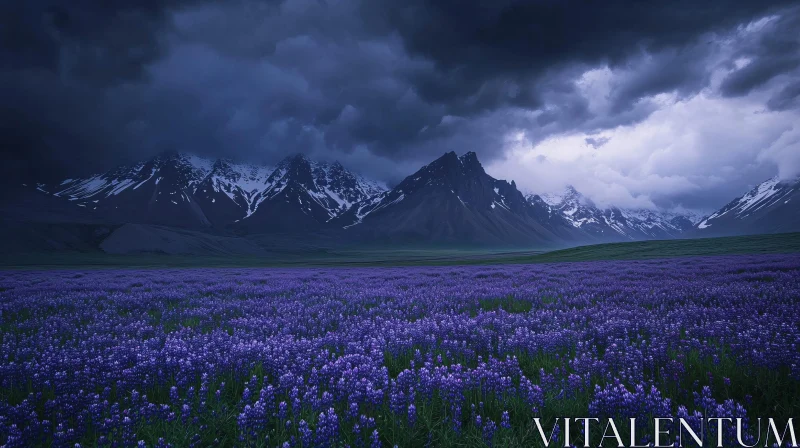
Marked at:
<point>421,356</point>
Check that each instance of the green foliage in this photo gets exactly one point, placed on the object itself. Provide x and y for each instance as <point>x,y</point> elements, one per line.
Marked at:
<point>508,304</point>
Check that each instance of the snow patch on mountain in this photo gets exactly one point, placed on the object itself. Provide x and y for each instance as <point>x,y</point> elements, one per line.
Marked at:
<point>192,168</point>
<point>200,164</point>
<point>773,192</point>
<point>323,190</point>
<point>764,195</point>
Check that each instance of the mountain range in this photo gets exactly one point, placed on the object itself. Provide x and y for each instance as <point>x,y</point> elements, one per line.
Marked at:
<point>452,200</point>
<point>183,190</point>
<point>614,222</point>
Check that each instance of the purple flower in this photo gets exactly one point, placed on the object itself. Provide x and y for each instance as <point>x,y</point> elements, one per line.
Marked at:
<point>375,440</point>
<point>346,344</point>
<point>505,422</point>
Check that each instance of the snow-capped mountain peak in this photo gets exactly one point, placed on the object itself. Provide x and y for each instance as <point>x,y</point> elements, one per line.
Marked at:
<point>238,183</point>
<point>568,196</point>
<point>613,223</point>
<point>188,170</point>
<point>344,187</point>
<point>322,191</point>
<point>576,208</point>
<point>250,178</point>
<point>159,190</point>
<point>214,192</point>
<point>451,179</point>
<point>772,198</point>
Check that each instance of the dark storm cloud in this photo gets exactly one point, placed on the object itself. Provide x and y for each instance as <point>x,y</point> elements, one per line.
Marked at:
<point>101,42</point>
<point>92,83</point>
<point>786,98</point>
<point>775,51</point>
<point>513,39</point>
<point>682,70</point>
<point>61,61</point>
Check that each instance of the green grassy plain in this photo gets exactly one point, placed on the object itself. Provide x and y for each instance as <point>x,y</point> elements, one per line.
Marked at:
<point>642,250</point>
<point>389,256</point>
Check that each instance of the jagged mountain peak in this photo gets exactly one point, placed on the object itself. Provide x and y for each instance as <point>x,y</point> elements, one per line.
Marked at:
<point>571,193</point>
<point>308,193</point>
<point>183,169</point>
<point>454,199</point>
<point>247,176</point>
<point>449,155</point>
<point>226,168</point>
<point>771,206</point>
<point>470,163</point>
<point>296,171</point>
<point>469,157</point>
<point>458,181</point>
<point>159,190</point>
<point>612,223</point>
<point>215,192</point>
<point>450,159</point>
<point>568,195</point>
<point>448,171</point>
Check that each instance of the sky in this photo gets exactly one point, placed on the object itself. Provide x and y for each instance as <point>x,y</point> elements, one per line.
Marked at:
<point>665,103</point>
